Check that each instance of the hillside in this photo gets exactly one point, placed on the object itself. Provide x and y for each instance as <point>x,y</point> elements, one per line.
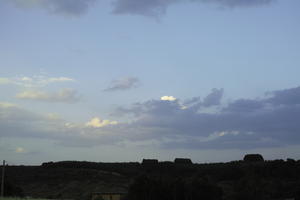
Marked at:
<point>276,179</point>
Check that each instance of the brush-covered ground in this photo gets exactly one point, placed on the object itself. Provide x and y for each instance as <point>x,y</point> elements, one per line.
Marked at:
<point>236,180</point>
<point>18,198</point>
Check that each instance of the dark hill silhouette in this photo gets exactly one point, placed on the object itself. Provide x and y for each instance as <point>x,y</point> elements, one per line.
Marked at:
<point>235,180</point>
<point>149,162</point>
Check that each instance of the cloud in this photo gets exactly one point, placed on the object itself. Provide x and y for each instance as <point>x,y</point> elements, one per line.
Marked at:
<point>142,7</point>
<point>65,7</point>
<point>34,81</point>
<point>98,123</point>
<point>167,98</point>
<point>236,3</point>
<point>64,95</point>
<point>18,122</point>
<point>214,98</point>
<point>159,7</point>
<point>123,84</point>
<point>285,97</point>
<point>59,79</point>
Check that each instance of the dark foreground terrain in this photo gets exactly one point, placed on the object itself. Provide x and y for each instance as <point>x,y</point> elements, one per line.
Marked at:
<point>238,180</point>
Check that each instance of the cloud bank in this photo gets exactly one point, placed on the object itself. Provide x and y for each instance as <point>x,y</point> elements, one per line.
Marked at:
<point>244,123</point>
<point>204,123</point>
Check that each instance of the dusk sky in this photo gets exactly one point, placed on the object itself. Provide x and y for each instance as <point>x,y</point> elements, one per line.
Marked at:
<point>123,80</point>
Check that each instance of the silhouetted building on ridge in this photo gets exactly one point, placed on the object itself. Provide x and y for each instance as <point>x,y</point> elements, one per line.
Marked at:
<point>150,162</point>
<point>183,161</point>
<point>253,158</point>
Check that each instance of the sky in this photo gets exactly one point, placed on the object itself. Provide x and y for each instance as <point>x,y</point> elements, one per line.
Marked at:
<point>123,80</point>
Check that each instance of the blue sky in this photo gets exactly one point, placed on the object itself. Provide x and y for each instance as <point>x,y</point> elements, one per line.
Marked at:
<point>120,80</point>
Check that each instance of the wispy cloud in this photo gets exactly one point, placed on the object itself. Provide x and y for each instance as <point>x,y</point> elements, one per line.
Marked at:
<point>64,7</point>
<point>153,8</point>
<point>34,81</point>
<point>158,7</point>
<point>64,95</point>
<point>123,84</point>
<point>142,7</point>
<point>236,3</point>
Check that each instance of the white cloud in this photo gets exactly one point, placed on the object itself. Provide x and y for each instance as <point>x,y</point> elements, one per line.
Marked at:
<point>98,123</point>
<point>167,98</point>
<point>64,95</point>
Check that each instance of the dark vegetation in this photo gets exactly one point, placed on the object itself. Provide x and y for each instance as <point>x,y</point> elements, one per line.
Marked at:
<point>237,180</point>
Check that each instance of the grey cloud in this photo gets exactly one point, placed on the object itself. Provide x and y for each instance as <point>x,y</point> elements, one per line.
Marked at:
<point>123,84</point>
<point>159,7</point>
<point>172,107</point>
<point>244,105</point>
<point>236,3</point>
<point>142,7</point>
<point>66,7</point>
<point>192,100</point>
<point>18,122</point>
<point>285,97</point>
<point>214,98</point>
<point>64,95</point>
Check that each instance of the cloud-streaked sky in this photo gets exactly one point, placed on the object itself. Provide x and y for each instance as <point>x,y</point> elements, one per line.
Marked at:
<point>122,80</point>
